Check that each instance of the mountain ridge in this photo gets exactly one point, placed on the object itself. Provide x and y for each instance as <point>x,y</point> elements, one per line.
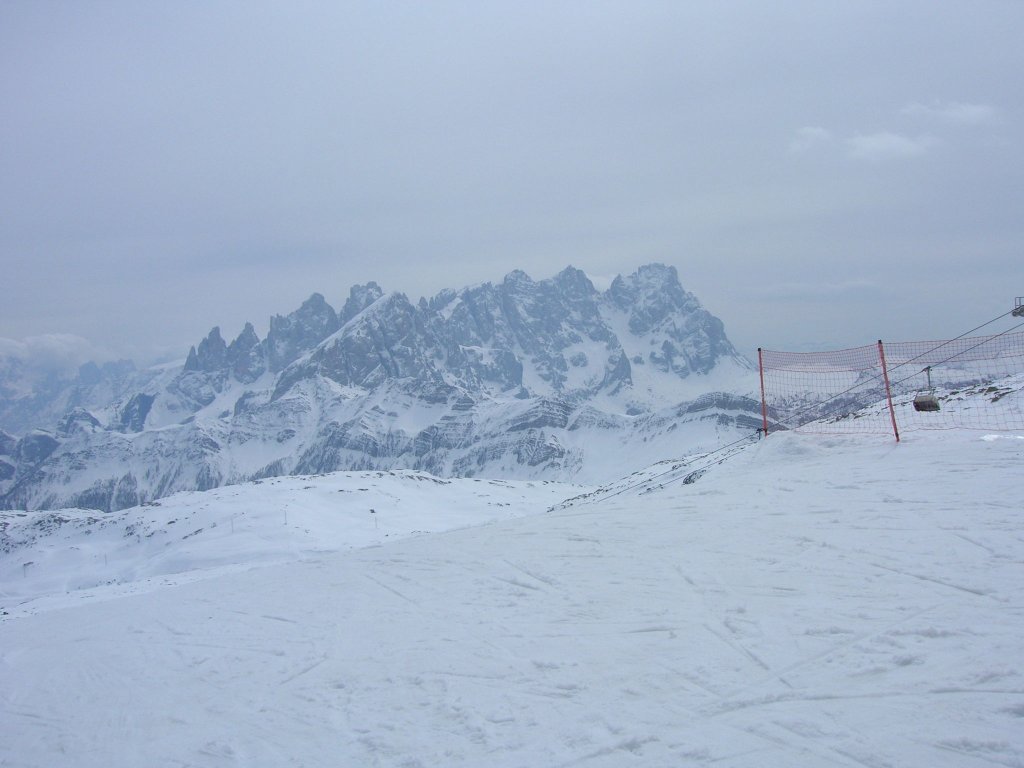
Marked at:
<point>518,379</point>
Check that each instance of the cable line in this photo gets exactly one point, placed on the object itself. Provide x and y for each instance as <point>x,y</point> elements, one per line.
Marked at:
<point>878,376</point>
<point>686,463</point>
<point>961,352</point>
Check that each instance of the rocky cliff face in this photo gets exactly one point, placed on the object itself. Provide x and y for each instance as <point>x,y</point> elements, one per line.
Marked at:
<point>519,379</point>
<point>684,337</point>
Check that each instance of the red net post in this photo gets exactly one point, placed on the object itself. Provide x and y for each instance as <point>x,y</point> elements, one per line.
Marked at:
<point>764,404</point>
<point>888,390</point>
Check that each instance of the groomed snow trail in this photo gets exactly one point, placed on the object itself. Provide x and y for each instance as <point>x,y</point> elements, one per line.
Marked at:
<point>812,602</point>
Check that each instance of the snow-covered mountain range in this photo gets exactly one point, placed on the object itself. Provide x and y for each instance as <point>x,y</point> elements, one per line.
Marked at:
<point>523,379</point>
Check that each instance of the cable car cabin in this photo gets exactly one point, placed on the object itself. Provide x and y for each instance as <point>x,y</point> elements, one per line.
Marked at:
<point>926,400</point>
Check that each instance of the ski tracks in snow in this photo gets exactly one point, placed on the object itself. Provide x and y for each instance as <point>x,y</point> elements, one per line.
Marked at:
<point>784,611</point>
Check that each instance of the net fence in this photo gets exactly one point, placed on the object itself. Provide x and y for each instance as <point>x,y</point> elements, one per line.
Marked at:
<point>965,383</point>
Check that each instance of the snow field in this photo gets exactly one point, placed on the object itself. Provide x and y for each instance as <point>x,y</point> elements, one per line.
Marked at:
<point>65,557</point>
<point>813,601</point>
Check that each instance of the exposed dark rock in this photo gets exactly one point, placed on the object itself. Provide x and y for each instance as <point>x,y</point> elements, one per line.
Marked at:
<point>245,356</point>
<point>694,339</point>
<point>78,420</point>
<point>133,416</point>
<point>293,335</point>
<point>211,355</point>
<point>35,447</point>
<point>359,298</point>
<point>546,413</point>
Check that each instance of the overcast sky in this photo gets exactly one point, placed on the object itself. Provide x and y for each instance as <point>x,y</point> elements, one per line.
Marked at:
<point>821,173</point>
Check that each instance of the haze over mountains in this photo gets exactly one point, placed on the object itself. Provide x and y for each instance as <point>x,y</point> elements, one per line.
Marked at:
<point>549,379</point>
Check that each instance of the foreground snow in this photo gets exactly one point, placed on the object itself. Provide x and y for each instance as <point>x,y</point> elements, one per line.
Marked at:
<point>812,601</point>
<point>56,559</point>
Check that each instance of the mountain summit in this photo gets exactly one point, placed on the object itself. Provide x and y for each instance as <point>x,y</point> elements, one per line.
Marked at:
<point>521,378</point>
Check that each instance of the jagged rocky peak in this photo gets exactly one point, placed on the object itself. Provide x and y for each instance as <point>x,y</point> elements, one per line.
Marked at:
<point>472,338</point>
<point>211,355</point>
<point>442,299</point>
<point>290,337</point>
<point>552,314</point>
<point>387,342</point>
<point>293,335</point>
<point>581,301</point>
<point>649,295</point>
<point>208,370</point>
<point>688,338</point>
<point>245,356</point>
<point>359,298</point>
<point>246,340</point>
<point>575,284</point>
<point>489,335</point>
<point>517,277</point>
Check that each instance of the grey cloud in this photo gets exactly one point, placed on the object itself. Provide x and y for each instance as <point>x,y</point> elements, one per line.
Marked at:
<point>53,352</point>
<point>810,137</point>
<point>169,167</point>
<point>822,291</point>
<point>886,145</point>
<point>953,112</point>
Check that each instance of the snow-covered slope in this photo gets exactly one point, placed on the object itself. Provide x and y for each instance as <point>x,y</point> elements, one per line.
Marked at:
<point>810,601</point>
<point>61,557</point>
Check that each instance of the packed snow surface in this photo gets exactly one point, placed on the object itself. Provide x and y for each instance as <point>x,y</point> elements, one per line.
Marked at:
<point>811,601</point>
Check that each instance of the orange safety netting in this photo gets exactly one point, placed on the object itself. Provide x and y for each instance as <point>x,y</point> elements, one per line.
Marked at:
<point>975,382</point>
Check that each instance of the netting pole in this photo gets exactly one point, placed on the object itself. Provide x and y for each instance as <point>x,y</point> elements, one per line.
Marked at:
<point>764,404</point>
<point>888,392</point>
